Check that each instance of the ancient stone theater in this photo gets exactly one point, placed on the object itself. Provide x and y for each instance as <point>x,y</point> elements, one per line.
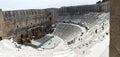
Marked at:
<point>35,23</point>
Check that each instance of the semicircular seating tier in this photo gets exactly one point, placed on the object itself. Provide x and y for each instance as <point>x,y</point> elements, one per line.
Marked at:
<point>67,31</point>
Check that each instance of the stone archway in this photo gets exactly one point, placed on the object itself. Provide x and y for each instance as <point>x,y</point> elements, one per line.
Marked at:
<point>0,38</point>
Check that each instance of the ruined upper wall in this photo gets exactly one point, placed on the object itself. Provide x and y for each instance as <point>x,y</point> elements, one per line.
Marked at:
<point>54,12</point>
<point>77,10</point>
<point>72,10</point>
<point>22,14</point>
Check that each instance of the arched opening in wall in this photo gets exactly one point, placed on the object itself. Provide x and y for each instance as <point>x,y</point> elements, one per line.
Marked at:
<point>50,18</point>
<point>31,23</point>
<point>50,13</point>
<point>21,35</point>
<point>0,38</point>
<point>17,26</point>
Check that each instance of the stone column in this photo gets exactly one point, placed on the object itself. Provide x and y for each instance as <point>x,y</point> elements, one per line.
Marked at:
<point>115,28</point>
<point>2,23</point>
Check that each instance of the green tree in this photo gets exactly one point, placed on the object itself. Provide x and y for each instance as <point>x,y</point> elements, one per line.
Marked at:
<point>101,1</point>
<point>104,0</point>
<point>98,2</point>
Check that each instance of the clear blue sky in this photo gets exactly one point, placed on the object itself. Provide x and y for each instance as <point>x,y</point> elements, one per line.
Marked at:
<point>41,4</point>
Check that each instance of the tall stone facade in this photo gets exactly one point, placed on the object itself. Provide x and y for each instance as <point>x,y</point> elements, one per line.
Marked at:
<point>16,21</point>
